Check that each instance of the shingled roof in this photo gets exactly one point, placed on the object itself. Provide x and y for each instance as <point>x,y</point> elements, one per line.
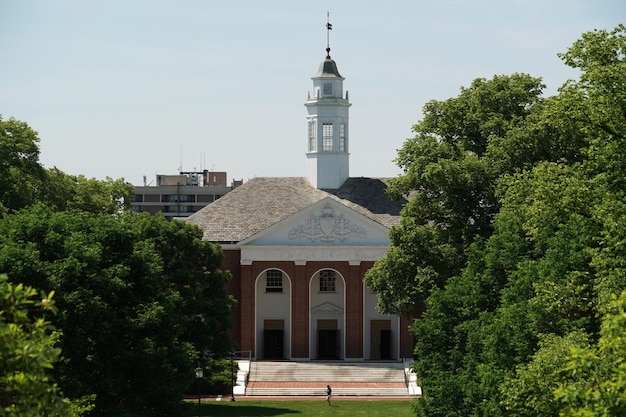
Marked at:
<point>264,201</point>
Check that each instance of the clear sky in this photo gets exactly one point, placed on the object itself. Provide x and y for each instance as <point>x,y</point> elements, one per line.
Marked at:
<point>125,88</point>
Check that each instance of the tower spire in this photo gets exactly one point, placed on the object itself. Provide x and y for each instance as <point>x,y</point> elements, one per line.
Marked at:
<point>328,139</point>
<point>329,27</point>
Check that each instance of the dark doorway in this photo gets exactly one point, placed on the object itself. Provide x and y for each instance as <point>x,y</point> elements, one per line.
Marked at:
<point>328,344</point>
<point>273,344</point>
<point>380,339</point>
<point>385,344</point>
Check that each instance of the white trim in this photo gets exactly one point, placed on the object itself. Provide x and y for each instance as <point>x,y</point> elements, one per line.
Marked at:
<point>302,254</point>
<point>258,347</point>
<point>327,310</point>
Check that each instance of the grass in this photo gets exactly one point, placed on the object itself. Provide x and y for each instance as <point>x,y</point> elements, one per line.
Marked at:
<point>303,408</point>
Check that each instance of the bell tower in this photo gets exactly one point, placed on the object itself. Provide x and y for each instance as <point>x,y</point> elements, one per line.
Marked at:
<point>327,146</point>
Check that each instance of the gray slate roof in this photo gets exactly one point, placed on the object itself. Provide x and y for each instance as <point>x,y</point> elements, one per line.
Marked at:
<point>264,201</point>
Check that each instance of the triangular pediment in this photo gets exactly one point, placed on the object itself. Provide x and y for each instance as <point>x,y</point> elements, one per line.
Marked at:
<point>327,308</point>
<point>327,222</point>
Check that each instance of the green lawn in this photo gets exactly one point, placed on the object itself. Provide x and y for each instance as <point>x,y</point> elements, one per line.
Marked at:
<point>299,408</point>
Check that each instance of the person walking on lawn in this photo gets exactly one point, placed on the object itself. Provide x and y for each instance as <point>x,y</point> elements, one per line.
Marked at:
<point>329,392</point>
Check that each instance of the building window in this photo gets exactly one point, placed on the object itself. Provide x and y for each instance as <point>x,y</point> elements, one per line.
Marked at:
<point>274,281</point>
<point>151,198</point>
<point>312,136</point>
<point>327,137</point>
<point>327,281</point>
<point>174,198</point>
<point>328,89</point>
<point>188,198</point>
<point>342,138</point>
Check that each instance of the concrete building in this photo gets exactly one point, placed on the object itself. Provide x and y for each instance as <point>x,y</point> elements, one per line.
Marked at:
<point>179,196</point>
<point>298,248</point>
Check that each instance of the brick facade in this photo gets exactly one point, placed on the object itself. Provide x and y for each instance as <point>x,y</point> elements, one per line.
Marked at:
<point>243,285</point>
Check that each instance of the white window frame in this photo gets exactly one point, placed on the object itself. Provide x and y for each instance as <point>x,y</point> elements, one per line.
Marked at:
<point>312,136</point>
<point>327,137</point>
<point>274,280</point>
<point>342,137</point>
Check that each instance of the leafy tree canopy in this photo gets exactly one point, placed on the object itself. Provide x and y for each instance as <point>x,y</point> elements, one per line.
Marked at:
<point>139,298</point>
<point>28,352</point>
<point>512,240</point>
<point>20,172</point>
<point>24,181</point>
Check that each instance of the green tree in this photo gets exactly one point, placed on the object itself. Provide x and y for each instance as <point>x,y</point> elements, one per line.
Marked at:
<point>532,276</point>
<point>450,176</point>
<point>133,292</point>
<point>530,392</point>
<point>21,174</point>
<point>28,352</point>
<point>598,371</point>
<point>23,180</point>
<point>77,192</point>
<point>535,286</point>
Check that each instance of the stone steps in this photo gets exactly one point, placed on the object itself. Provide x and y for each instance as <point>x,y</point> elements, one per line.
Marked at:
<point>343,392</point>
<point>310,379</point>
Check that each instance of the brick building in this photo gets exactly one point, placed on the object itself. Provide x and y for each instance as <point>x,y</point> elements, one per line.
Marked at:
<point>298,248</point>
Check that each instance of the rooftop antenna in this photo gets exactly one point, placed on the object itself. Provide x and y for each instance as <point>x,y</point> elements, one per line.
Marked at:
<point>329,27</point>
<point>180,167</point>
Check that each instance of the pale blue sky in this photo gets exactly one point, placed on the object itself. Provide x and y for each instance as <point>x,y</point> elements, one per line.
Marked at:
<point>130,88</point>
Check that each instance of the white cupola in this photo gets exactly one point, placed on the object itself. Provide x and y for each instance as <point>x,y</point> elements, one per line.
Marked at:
<point>327,147</point>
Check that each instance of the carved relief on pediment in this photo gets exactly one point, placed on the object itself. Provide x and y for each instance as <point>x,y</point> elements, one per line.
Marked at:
<point>327,227</point>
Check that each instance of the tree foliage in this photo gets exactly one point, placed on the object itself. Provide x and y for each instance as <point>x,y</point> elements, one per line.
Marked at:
<point>139,299</point>
<point>450,169</point>
<point>513,241</point>
<point>597,373</point>
<point>62,192</point>
<point>28,352</point>
<point>20,172</point>
<point>24,181</point>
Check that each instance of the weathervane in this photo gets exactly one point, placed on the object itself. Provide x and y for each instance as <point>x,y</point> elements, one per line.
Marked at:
<point>329,27</point>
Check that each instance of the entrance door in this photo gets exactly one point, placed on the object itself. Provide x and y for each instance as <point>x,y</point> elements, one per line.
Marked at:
<point>273,339</point>
<point>327,339</point>
<point>385,344</point>
<point>380,339</point>
<point>273,344</point>
<point>328,344</point>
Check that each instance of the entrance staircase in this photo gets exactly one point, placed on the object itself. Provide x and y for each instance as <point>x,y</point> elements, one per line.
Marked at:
<point>267,378</point>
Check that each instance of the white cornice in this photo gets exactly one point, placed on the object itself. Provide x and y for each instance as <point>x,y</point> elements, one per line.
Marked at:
<point>301,254</point>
